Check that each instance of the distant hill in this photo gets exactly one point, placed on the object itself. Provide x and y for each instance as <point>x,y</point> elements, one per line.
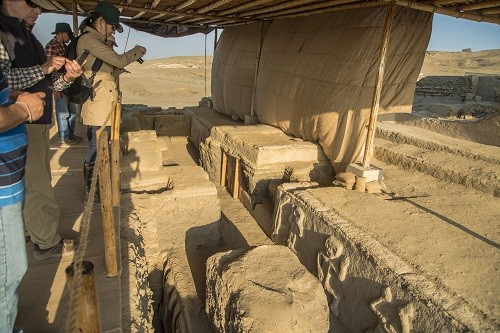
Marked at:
<point>439,63</point>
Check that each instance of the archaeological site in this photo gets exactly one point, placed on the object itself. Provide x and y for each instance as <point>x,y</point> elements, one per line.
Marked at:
<point>336,178</point>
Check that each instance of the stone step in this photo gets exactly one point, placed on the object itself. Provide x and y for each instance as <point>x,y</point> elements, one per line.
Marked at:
<point>423,138</point>
<point>422,265</point>
<point>480,175</point>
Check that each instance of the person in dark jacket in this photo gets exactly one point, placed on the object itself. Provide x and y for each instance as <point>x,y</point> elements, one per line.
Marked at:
<point>23,62</point>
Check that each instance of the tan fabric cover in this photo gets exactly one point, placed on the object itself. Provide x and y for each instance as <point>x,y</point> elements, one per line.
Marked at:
<point>317,74</point>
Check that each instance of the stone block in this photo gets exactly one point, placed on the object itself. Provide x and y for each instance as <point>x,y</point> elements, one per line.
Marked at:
<point>172,125</point>
<point>371,173</point>
<point>246,295</point>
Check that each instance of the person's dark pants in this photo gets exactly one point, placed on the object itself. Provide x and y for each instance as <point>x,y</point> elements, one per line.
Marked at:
<point>91,154</point>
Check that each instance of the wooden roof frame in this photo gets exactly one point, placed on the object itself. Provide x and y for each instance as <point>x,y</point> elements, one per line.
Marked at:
<point>207,14</point>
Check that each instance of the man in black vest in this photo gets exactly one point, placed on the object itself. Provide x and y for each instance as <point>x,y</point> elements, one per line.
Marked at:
<point>23,62</point>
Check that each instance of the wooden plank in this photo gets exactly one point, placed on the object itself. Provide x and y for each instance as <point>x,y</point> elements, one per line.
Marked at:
<point>108,220</point>
<point>370,136</point>
<point>223,169</point>
<point>236,179</point>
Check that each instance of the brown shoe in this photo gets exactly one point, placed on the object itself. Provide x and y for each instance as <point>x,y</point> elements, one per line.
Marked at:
<point>64,248</point>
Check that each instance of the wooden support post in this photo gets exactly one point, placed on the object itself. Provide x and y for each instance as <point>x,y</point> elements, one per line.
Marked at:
<point>370,136</point>
<point>223,169</point>
<point>215,40</point>
<point>87,305</point>
<point>108,220</point>
<point>115,154</point>
<point>75,17</point>
<point>256,73</point>
<point>236,179</point>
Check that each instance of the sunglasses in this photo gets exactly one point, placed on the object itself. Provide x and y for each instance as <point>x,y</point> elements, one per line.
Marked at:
<point>32,4</point>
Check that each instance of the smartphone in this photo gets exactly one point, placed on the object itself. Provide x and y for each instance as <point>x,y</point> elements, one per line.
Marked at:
<point>83,56</point>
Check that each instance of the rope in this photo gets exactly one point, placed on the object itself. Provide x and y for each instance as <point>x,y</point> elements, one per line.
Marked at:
<point>126,42</point>
<point>80,252</point>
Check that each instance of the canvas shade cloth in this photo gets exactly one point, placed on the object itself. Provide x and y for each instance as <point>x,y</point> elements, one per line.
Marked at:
<point>317,74</point>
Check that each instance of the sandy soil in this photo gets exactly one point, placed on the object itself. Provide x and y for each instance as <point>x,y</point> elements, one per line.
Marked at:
<point>178,82</point>
<point>461,63</point>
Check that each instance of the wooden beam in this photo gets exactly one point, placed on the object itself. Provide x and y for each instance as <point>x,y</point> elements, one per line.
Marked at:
<point>446,2</point>
<point>384,45</point>
<point>236,179</point>
<point>108,219</point>
<point>274,8</point>
<point>446,11</point>
<point>490,11</point>
<point>169,11</point>
<point>152,18</point>
<point>308,8</point>
<point>335,9</point>
<point>243,7</point>
<point>479,5</point>
<point>257,63</point>
<point>74,13</point>
<point>223,169</point>
<point>212,6</point>
<point>183,5</point>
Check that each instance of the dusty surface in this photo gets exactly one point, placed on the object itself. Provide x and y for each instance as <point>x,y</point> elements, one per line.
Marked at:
<point>178,81</point>
<point>469,216</point>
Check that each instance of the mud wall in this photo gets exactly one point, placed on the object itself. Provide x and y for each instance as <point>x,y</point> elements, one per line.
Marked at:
<point>317,74</point>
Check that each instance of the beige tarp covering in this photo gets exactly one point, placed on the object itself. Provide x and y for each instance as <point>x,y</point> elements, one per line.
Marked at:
<point>317,74</point>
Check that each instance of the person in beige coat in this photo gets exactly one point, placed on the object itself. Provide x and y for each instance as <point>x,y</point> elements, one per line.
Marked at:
<point>97,28</point>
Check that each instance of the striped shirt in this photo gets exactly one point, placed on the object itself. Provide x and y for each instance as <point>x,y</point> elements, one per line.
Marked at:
<point>13,146</point>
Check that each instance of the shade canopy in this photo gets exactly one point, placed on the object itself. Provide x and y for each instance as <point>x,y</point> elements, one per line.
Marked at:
<point>175,18</point>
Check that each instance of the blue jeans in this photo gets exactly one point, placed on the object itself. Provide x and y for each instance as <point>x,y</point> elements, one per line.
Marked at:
<point>91,153</point>
<point>66,117</point>
<point>13,262</point>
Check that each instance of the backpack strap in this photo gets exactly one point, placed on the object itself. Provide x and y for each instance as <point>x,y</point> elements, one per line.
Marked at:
<point>96,66</point>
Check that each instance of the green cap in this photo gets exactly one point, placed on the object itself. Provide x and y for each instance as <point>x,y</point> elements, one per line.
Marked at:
<point>109,13</point>
<point>62,27</point>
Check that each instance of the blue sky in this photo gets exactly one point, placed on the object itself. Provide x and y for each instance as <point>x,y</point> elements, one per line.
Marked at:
<point>448,34</point>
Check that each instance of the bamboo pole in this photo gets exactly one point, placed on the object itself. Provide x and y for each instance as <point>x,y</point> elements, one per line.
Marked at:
<point>244,6</point>
<point>378,85</point>
<point>212,6</point>
<point>349,6</point>
<point>236,179</point>
<point>75,17</point>
<point>223,169</point>
<point>108,220</point>
<point>257,62</point>
<point>122,7</point>
<point>307,8</point>
<point>447,2</point>
<point>490,11</point>
<point>87,304</point>
<point>184,5</point>
<point>215,40</point>
<point>447,11</point>
<point>115,154</point>
<point>479,5</point>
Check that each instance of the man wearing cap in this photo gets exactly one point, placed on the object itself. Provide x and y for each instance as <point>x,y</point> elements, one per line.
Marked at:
<point>23,62</point>
<point>65,110</point>
<point>102,23</point>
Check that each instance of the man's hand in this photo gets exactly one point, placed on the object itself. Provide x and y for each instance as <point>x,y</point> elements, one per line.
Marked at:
<point>73,70</point>
<point>54,63</point>
<point>34,102</point>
